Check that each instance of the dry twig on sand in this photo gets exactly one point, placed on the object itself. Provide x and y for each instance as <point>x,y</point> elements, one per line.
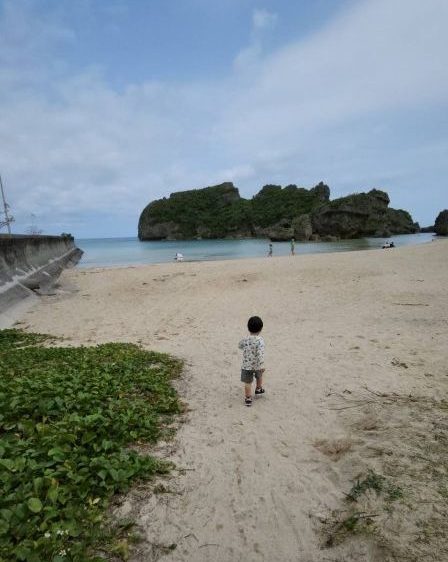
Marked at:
<point>374,397</point>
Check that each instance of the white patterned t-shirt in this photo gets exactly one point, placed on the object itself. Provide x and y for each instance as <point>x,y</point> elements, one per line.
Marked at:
<point>253,353</point>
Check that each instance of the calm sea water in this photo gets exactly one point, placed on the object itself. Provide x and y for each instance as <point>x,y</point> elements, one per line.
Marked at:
<point>110,252</point>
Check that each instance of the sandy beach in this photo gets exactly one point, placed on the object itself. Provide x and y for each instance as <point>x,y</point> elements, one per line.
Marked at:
<point>263,483</point>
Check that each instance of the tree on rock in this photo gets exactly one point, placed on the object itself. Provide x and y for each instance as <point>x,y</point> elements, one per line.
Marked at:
<point>441,224</point>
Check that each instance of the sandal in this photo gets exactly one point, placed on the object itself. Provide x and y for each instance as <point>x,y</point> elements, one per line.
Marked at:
<point>260,390</point>
<point>248,401</point>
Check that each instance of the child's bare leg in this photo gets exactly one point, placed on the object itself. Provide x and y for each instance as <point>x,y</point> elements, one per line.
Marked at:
<point>260,381</point>
<point>247,390</point>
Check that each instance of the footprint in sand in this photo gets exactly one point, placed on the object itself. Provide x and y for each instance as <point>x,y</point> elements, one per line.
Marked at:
<point>397,363</point>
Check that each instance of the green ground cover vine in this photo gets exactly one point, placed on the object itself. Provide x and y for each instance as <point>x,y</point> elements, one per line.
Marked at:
<point>67,418</point>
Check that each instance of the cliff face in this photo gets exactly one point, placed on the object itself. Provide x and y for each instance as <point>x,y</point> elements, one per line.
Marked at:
<point>212,212</point>
<point>220,212</point>
<point>362,214</point>
<point>275,212</point>
<point>441,224</point>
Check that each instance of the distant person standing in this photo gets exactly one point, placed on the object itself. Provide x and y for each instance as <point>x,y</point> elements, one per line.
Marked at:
<point>293,247</point>
<point>270,250</point>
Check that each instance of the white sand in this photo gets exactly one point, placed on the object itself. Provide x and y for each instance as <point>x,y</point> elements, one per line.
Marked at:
<point>335,322</point>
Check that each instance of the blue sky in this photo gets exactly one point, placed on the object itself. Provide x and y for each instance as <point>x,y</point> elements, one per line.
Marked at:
<point>107,105</point>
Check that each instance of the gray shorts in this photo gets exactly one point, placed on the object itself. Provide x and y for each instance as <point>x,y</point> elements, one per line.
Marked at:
<point>247,376</point>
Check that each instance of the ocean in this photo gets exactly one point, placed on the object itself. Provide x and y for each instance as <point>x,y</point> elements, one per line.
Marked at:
<point>113,252</point>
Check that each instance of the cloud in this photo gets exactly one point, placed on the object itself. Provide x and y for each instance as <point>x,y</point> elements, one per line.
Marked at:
<point>24,45</point>
<point>249,57</point>
<point>262,19</point>
<point>374,58</point>
<point>339,105</point>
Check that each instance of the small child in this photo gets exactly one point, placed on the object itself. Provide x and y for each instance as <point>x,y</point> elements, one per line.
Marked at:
<point>253,359</point>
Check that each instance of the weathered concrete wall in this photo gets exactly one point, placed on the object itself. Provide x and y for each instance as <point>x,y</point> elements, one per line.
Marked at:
<point>32,263</point>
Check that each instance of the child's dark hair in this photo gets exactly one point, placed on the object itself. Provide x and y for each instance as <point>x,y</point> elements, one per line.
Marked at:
<point>255,324</point>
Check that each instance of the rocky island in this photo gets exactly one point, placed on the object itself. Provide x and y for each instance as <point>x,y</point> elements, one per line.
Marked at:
<point>274,212</point>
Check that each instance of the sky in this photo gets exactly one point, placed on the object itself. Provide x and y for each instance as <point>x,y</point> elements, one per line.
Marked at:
<point>106,105</point>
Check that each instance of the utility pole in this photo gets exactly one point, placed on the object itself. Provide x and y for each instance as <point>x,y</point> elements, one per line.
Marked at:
<point>8,219</point>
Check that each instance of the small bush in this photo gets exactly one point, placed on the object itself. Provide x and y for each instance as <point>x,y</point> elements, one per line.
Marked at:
<point>377,483</point>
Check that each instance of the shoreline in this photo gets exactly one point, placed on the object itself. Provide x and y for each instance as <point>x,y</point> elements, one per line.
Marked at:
<point>13,314</point>
<point>129,251</point>
<point>235,258</point>
<point>334,324</point>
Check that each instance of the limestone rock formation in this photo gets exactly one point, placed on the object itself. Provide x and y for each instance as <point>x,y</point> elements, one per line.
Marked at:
<point>302,227</point>
<point>219,212</point>
<point>198,213</point>
<point>279,232</point>
<point>274,212</point>
<point>441,224</point>
<point>321,191</point>
<point>361,214</point>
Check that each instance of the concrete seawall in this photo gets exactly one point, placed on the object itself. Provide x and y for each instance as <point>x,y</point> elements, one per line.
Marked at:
<point>32,263</point>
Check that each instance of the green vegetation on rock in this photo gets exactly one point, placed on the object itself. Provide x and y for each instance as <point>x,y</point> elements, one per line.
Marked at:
<point>209,212</point>
<point>275,212</point>
<point>219,212</point>
<point>67,418</point>
<point>441,223</point>
<point>362,214</point>
<point>274,204</point>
